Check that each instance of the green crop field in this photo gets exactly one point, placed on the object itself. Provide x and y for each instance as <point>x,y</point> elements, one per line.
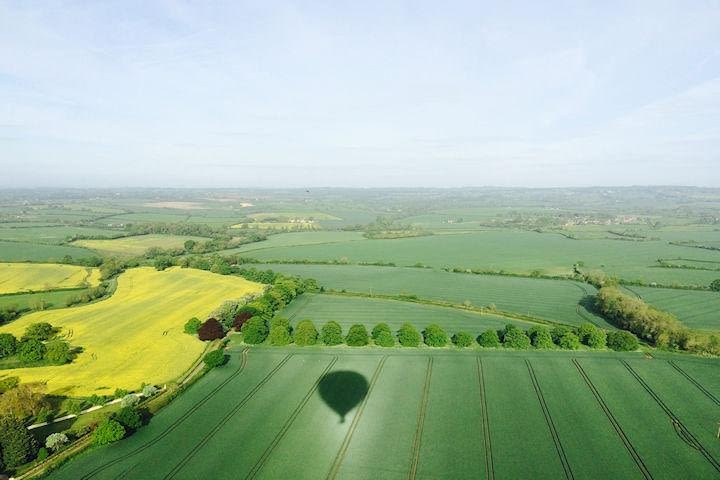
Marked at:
<point>696,309</point>
<point>371,311</point>
<point>52,299</point>
<point>51,234</point>
<point>34,252</point>
<point>136,245</point>
<point>553,300</point>
<point>358,414</point>
<point>515,251</point>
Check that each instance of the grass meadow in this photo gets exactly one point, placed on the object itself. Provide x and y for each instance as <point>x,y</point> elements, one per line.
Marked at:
<point>393,414</point>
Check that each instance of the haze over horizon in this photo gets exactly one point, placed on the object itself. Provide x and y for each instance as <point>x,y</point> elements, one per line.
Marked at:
<point>348,94</point>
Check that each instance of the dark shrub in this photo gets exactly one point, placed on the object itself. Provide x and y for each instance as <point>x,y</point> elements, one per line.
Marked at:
<point>211,329</point>
<point>241,317</point>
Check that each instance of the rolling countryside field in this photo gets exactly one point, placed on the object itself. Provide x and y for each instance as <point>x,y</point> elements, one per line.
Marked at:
<point>27,277</point>
<point>513,251</point>
<point>134,246</point>
<point>696,309</point>
<point>338,414</point>
<point>136,335</point>
<point>371,311</point>
<point>553,300</point>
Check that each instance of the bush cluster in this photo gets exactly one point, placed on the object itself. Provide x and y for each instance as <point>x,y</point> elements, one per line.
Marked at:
<point>36,344</point>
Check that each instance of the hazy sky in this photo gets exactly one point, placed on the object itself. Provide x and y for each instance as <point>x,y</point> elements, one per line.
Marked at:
<point>359,93</point>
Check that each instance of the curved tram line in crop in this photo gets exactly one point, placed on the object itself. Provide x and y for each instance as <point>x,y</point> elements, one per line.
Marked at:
<point>680,428</point>
<point>613,421</point>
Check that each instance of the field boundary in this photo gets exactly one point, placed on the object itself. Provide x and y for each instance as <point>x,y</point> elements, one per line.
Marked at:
<point>682,431</point>
<point>177,422</point>
<point>551,425</point>
<point>226,418</point>
<point>288,423</point>
<point>417,441</point>
<point>614,422</point>
<point>487,439</point>
<point>340,456</point>
<point>700,387</point>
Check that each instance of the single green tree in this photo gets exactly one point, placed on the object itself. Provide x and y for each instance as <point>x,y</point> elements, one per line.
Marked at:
<point>331,333</point>
<point>39,331</point>
<point>255,330</point>
<point>8,344</point>
<point>108,431</point>
<point>516,338</point>
<point>540,337</point>
<point>58,352</point>
<point>585,330</point>
<point>305,333</point>
<point>408,336</point>
<point>489,339</point>
<point>435,336</point>
<point>17,444</point>
<point>597,339</point>
<point>357,336</point>
<point>192,326</point>
<point>558,331</point>
<point>622,341</point>
<point>380,328</point>
<point>129,417</point>
<point>569,341</point>
<point>215,358</point>
<point>280,335</point>
<point>31,350</point>
<point>462,339</point>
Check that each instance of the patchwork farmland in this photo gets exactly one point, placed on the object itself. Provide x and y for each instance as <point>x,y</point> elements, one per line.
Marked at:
<point>398,414</point>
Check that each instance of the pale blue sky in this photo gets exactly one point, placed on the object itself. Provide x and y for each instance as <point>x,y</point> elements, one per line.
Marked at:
<point>359,93</point>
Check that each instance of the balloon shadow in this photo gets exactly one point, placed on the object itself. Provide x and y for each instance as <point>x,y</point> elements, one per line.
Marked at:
<point>342,391</point>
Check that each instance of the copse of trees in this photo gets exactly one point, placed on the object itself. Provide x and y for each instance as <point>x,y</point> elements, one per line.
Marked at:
<point>39,331</point>
<point>632,314</point>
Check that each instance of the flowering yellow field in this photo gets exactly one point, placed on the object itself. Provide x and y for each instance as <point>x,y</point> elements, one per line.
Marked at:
<point>23,277</point>
<point>134,336</point>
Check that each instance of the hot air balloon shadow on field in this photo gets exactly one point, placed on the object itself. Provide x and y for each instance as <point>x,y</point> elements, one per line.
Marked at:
<point>342,391</point>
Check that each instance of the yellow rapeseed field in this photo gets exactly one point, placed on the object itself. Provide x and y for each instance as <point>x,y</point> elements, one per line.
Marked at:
<point>134,336</point>
<point>23,277</point>
<point>135,245</point>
